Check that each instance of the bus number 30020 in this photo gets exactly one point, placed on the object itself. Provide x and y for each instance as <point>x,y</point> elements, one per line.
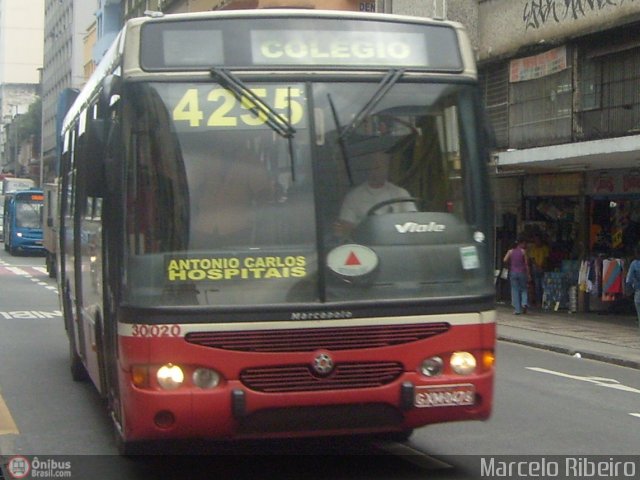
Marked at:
<point>155,330</point>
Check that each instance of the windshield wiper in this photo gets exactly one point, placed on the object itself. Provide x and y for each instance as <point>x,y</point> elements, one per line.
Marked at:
<point>343,147</point>
<point>389,80</point>
<point>279,124</point>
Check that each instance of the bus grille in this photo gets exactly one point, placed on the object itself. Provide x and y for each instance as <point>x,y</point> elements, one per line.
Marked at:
<point>309,340</point>
<point>299,378</point>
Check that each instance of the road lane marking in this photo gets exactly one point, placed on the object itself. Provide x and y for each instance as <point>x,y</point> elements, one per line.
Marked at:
<point>22,271</point>
<point>7,425</point>
<point>18,271</point>
<point>635,415</point>
<point>27,314</point>
<point>600,381</point>
<point>412,455</point>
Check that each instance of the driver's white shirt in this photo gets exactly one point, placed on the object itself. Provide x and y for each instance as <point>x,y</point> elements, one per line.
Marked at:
<point>359,200</point>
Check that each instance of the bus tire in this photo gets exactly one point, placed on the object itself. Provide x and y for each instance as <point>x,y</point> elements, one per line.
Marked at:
<point>129,448</point>
<point>78,371</point>
<point>51,265</point>
<point>77,368</point>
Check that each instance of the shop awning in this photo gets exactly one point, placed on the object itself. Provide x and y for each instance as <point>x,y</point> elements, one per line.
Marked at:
<point>620,152</point>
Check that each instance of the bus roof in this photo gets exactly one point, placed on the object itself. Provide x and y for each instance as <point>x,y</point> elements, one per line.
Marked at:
<point>290,12</point>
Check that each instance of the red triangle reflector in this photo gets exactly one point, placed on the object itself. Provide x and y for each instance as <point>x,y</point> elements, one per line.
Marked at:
<point>352,260</point>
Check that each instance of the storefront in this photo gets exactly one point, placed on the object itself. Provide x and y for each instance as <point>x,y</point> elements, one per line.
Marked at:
<point>613,200</point>
<point>508,211</point>
<point>554,216</point>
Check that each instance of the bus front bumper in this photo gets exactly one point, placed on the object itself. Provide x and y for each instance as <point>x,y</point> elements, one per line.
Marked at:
<point>234,412</point>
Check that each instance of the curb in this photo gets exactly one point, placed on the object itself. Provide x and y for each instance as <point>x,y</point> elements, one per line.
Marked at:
<point>571,352</point>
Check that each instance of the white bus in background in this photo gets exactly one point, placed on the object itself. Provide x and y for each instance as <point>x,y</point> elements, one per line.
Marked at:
<point>15,184</point>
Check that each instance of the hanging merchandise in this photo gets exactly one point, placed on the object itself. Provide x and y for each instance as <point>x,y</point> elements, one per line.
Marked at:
<point>584,282</point>
<point>612,279</point>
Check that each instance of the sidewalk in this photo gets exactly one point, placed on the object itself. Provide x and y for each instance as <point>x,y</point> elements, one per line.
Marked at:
<point>607,337</point>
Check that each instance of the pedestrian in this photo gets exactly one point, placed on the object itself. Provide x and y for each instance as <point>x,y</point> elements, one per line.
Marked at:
<point>519,276</point>
<point>633,280</point>
<point>539,255</point>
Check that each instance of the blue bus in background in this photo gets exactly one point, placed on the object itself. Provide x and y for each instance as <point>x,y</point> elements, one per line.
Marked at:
<point>23,221</point>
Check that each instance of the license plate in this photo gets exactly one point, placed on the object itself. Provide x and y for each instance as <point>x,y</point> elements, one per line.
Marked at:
<point>444,396</point>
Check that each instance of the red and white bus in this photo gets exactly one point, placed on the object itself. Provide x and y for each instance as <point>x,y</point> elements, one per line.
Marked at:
<point>205,287</point>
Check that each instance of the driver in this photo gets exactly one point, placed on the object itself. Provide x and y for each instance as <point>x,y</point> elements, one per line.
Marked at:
<point>376,189</point>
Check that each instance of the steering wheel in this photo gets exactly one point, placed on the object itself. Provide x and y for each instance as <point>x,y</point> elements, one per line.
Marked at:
<point>391,201</point>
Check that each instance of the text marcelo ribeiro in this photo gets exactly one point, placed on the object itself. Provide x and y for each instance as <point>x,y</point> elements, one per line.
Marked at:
<point>569,467</point>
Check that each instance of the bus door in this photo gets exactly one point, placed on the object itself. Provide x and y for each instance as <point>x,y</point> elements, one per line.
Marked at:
<point>86,253</point>
<point>69,251</point>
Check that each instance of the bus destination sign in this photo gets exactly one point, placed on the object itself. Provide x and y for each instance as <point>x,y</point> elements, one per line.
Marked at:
<point>168,45</point>
<point>296,47</point>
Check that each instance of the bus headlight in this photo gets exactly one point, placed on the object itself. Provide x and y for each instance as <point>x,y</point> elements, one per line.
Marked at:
<point>463,363</point>
<point>206,378</point>
<point>170,376</point>
<point>431,367</point>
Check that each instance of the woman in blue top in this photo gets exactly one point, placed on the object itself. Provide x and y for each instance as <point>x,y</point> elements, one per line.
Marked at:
<point>633,280</point>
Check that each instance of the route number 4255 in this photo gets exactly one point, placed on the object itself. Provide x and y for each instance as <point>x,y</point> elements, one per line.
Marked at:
<point>219,108</point>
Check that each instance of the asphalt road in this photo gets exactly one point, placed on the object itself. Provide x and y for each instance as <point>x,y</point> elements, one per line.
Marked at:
<point>545,404</point>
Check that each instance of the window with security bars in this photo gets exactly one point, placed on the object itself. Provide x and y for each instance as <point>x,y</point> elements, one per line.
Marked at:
<point>494,83</point>
<point>609,93</point>
<point>540,110</point>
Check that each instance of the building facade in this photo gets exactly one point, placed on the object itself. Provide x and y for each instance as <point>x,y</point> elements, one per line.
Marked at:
<point>66,24</point>
<point>21,34</point>
<point>561,82</point>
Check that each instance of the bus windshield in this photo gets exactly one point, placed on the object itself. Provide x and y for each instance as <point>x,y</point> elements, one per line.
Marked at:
<point>224,211</point>
<point>28,214</point>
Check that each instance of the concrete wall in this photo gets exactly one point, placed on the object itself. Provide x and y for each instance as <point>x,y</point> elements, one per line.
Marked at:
<point>463,11</point>
<point>21,40</point>
<point>507,25</point>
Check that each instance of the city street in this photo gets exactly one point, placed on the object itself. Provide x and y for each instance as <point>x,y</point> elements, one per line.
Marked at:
<point>545,404</point>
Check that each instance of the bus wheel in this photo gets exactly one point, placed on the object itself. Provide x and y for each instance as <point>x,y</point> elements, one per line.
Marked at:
<point>78,371</point>
<point>51,265</point>
<point>129,448</point>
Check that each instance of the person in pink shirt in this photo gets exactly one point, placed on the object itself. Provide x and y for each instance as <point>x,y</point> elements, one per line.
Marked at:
<point>519,276</point>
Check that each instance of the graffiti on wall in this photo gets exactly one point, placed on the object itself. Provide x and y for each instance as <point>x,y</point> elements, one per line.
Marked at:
<point>537,13</point>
